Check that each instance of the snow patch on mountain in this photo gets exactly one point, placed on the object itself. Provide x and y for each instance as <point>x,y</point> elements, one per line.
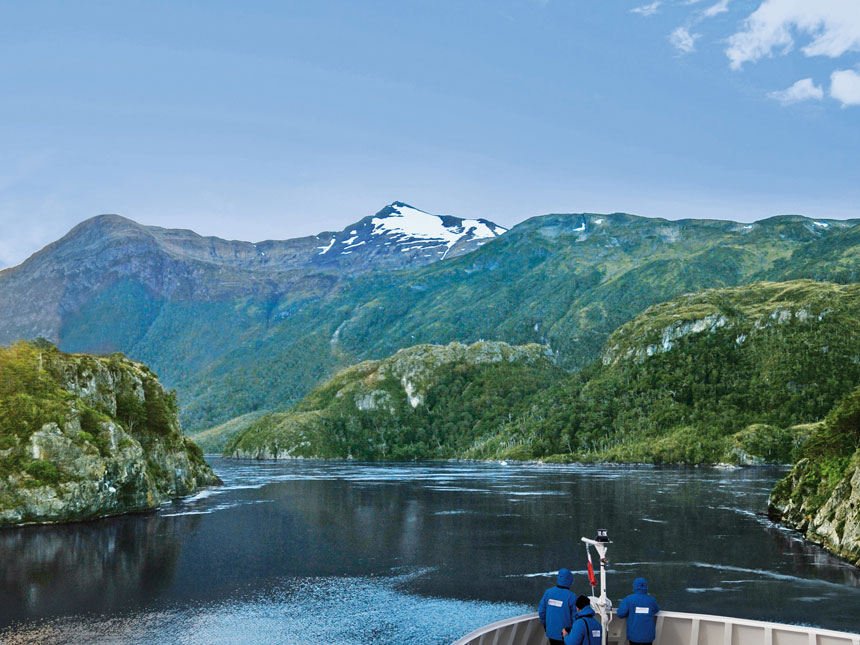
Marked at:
<point>405,223</point>
<point>325,249</point>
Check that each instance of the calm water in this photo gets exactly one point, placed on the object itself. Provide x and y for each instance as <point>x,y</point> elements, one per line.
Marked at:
<point>307,552</point>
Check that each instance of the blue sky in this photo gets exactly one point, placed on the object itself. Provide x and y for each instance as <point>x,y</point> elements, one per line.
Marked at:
<point>259,120</point>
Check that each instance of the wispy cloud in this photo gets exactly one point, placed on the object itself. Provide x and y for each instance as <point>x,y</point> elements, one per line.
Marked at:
<point>845,86</point>
<point>647,9</point>
<point>802,90</point>
<point>716,9</point>
<point>833,27</point>
<point>683,40</point>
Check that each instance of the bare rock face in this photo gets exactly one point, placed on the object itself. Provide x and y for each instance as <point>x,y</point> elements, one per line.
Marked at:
<point>834,524</point>
<point>84,437</point>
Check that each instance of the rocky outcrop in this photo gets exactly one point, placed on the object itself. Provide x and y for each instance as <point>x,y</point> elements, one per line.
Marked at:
<point>749,311</point>
<point>84,437</point>
<point>834,524</point>
<point>820,497</point>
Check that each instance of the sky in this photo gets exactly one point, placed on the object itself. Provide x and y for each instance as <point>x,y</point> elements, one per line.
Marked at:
<point>271,120</point>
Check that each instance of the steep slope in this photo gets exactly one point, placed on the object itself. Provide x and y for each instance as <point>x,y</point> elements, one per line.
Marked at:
<point>566,281</point>
<point>401,236</point>
<point>110,256</point>
<point>182,302</point>
<point>835,258</point>
<point>740,375</point>
<point>237,328</point>
<point>821,495</point>
<point>722,375</point>
<point>425,401</point>
<point>84,437</point>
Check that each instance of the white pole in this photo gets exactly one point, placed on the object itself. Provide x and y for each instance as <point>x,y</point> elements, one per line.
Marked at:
<point>604,605</point>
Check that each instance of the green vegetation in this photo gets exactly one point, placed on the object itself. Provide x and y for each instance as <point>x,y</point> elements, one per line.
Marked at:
<point>423,402</point>
<point>827,456</point>
<point>566,281</point>
<point>821,494</point>
<point>691,380</point>
<point>84,427</point>
<point>729,375</point>
<point>215,439</point>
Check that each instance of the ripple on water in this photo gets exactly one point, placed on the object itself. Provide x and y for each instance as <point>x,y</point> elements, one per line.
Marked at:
<point>351,611</point>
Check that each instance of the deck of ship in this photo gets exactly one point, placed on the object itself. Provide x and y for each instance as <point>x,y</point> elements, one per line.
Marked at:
<point>673,628</point>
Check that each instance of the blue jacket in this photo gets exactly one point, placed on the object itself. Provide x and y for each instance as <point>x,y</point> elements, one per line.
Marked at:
<point>640,610</point>
<point>558,606</point>
<point>586,629</point>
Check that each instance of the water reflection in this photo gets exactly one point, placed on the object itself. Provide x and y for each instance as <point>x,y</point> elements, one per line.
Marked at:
<point>473,541</point>
<point>102,566</point>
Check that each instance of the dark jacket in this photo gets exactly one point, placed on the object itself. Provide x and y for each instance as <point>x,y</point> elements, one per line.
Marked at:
<point>558,606</point>
<point>586,629</point>
<point>640,610</point>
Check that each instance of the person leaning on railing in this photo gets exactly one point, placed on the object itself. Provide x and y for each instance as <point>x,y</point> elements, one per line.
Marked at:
<point>556,608</point>
<point>640,610</point>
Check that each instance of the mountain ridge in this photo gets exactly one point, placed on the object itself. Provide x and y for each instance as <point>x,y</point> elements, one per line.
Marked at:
<point>180,263</point>
<point>234,340</point>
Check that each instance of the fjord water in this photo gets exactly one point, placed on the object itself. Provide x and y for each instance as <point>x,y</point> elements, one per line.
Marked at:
<point>312,551</point>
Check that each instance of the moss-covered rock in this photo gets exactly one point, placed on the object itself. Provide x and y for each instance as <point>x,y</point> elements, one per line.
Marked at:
<point>84,437</point>
<point>820,496</point>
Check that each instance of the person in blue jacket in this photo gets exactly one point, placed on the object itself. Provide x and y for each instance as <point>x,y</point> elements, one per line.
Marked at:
<point>640,610</point>
<point>586,629</point>
<point>556,608</point>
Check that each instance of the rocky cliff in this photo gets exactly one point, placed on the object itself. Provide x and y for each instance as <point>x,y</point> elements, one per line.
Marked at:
<point>84,437</point>
<point>820,496</point>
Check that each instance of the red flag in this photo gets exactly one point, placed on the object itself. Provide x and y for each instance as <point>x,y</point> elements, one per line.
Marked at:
<point>591,573</point>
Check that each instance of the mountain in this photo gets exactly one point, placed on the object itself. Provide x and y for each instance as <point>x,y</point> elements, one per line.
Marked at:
<point>566,281</point>
<point>160,264</point>
<point>423,402</point>
<point>739,375</point>
<point>84,437</point>
<point>401,236</point>
<point>183,303</point>
<point>237,328</point>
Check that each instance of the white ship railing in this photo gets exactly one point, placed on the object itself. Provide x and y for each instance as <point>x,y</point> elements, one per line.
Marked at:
<point>673,628</point>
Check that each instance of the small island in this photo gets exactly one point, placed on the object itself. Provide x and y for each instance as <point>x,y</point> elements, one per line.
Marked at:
<point>83,437</point>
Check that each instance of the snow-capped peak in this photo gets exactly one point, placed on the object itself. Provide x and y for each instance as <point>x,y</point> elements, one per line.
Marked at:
<point>402,236</point>
<point>400,220</point>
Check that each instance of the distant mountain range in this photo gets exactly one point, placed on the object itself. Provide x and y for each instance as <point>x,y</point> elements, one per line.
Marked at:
<point>238,327</point>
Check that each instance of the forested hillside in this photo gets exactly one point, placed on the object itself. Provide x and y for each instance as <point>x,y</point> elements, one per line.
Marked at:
<point>736,375</point>
<point>424,402</point>
<point>723,375</point>
<point>565,281</point>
